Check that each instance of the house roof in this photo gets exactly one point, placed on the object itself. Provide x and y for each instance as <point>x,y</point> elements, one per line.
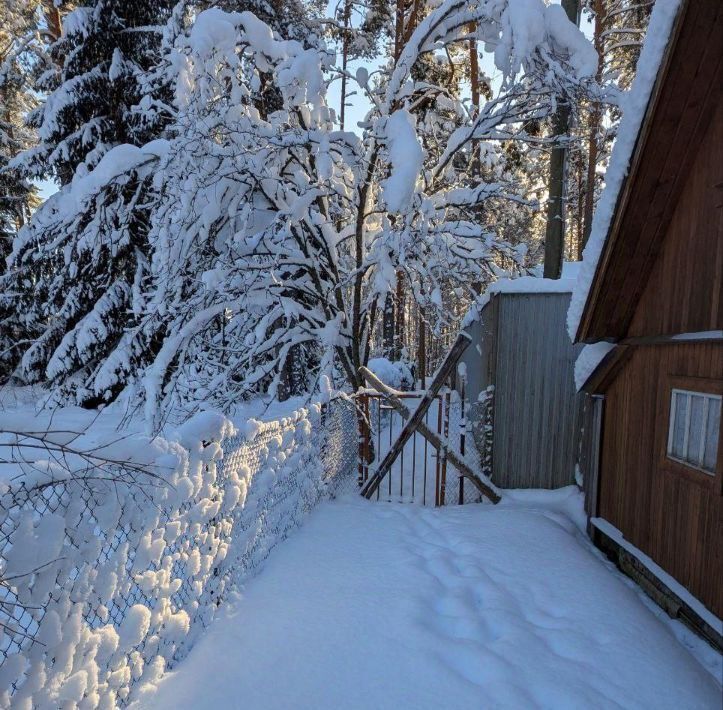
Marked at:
<point>664,117</point>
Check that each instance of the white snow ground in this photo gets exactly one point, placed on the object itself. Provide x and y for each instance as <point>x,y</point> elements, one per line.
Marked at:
<point>379,605</point>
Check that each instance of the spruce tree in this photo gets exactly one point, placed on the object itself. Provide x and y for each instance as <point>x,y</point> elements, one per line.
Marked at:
<point>78,269</point>
<point>20,60</point>
<point>84,267</point>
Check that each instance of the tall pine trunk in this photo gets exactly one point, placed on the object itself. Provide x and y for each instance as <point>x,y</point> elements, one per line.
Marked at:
<point>474,85</point>
<point>555,228</point>
<point>595,121</point>
<point>344,61</point>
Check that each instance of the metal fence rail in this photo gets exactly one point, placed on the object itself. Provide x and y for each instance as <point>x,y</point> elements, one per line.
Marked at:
<point>125,576</point>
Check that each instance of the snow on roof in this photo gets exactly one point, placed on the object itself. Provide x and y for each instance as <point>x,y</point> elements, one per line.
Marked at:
<point>634,105</point>
<point>525,284</point>
<point>588,361</point>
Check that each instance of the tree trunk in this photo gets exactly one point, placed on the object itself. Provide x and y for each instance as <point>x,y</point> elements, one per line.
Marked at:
<point>474,84</point>
<point>344,61</point>
<point>399,29</point>
<point>52,19</point>
<point>422,349</point>
<point>399,316</point>
<point>555,228</point>
<point>388,326</point>
<point>595,121</point>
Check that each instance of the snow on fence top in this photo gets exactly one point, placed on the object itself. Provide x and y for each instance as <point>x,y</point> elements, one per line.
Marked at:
<point>106,581</point>
<point>634,105</point>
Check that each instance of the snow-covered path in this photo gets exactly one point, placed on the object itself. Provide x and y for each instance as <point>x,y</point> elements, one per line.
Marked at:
<point>373,605</point>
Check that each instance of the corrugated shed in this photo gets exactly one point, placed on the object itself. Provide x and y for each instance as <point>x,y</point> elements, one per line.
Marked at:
<point>536,405</point>
<point>521,347</point>
<point>479,357</point>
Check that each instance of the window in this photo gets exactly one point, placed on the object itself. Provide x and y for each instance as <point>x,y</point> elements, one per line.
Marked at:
<point>694,428</point>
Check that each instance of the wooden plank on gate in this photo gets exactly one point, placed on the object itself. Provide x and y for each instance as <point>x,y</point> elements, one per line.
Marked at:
<point>485,487</point>
<point>412,424</point>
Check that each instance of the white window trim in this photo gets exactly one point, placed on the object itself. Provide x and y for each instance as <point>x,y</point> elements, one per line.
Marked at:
<point>689,394</point>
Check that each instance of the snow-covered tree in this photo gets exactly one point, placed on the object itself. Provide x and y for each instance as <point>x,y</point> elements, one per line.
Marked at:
<point>19,61</point>
<point>78,269</point>
<point>21,58</point>
<point>81,268</point>
<point>251,231</point>
<point>105,49</point>
<point>281,231</point>
<point>292,19</point>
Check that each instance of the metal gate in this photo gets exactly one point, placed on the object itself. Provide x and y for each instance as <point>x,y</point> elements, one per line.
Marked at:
<point>421,474</point>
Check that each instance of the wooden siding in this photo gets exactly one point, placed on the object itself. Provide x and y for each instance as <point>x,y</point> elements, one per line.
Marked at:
<point>684,291</point>
<point>685,100</point>
<point>536,408</point>
<point>672,513</point>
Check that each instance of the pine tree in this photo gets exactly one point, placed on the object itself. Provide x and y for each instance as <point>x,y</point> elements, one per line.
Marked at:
<point>20,60</point>
<point>79,266</point>
<point>358,27</point>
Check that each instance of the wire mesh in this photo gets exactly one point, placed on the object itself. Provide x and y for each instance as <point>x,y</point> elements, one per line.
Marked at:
<point>209,544</point>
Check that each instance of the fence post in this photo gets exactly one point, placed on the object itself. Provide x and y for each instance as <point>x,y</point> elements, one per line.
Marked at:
<point>462,429</point>
<point>445,434</point>
<point>363,427</point>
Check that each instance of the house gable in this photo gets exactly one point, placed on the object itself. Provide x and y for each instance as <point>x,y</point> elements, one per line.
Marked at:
<point>680,112</point>
<point>683,292</point>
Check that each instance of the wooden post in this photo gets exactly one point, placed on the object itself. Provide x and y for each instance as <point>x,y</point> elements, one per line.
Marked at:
<point>360,442</point>
<point>438,460</point>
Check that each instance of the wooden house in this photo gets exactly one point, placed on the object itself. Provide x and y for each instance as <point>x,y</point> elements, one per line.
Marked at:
<point>524,407</point>
<point>654,486</point>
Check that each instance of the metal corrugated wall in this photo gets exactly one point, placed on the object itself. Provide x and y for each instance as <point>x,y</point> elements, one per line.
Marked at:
<point>536,430</point>
<point>479,355</point>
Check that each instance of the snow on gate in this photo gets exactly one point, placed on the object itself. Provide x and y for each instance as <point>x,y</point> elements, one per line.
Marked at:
<point>105,582</point>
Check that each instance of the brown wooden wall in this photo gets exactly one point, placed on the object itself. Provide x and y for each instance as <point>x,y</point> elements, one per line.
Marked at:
<point>670,204</point>
<point>671,512</point>
<point>684,292</point>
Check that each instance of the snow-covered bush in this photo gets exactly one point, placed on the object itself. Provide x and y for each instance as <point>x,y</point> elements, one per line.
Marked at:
<point>104,584</point>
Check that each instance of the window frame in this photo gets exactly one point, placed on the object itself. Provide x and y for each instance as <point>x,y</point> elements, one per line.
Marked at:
<point>696,385</point>
<point>688,459</point>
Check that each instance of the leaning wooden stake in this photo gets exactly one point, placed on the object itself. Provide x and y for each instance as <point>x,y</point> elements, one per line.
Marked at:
<point>412,424</point>
<point>391,396</point>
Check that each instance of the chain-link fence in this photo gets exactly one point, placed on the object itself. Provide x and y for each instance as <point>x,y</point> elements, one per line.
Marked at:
<point>107,581</point>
